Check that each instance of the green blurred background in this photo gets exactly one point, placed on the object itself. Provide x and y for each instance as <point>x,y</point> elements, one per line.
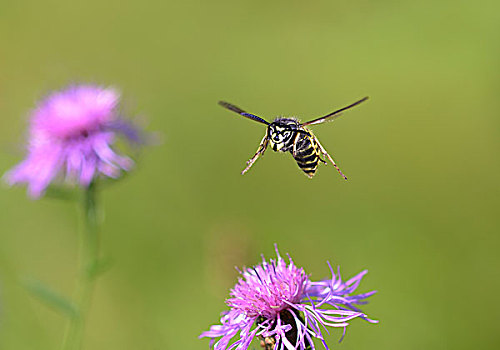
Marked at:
<point>422,155</point>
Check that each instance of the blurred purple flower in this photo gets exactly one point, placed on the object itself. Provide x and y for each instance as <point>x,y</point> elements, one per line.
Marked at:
<point>70,135</point>
<point>287,309</point>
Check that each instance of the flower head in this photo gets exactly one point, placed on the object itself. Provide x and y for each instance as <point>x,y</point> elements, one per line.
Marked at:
<point>278,303</point>
<point>71,133</point>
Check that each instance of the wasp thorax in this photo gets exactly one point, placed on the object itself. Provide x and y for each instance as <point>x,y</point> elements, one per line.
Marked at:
<point>281,134</point>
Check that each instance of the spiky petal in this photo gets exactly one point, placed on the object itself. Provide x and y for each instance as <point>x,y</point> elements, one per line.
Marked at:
<point>275,300</point>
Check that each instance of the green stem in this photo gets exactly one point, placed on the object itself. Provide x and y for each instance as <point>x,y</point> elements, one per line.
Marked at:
<point>89,260</point>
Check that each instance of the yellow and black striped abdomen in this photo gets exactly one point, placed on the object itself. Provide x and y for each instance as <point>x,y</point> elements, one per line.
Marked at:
<point>305,152</point>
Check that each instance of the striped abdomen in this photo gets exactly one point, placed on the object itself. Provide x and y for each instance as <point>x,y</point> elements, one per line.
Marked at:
<point>305,152</point>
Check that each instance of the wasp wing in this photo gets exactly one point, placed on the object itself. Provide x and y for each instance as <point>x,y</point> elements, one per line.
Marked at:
<point>241,112</point>
<point>333,114</point>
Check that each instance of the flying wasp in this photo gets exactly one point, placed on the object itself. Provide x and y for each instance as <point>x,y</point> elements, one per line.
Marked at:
<point>289,135</point>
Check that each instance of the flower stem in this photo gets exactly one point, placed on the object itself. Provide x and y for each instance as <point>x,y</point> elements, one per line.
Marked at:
<point>89,261</point>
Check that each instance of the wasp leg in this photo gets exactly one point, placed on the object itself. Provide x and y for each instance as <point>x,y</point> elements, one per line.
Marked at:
<point>260,151</point>
<point>325,153</point>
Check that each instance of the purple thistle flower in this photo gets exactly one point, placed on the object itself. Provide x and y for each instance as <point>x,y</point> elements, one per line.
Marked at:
<point>279,304</point>
<point>71,133</point>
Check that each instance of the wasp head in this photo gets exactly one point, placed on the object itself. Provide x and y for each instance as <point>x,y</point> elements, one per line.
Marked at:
<point>281,133</point>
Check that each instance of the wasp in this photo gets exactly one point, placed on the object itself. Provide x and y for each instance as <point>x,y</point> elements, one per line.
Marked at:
<point>290,135</point>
